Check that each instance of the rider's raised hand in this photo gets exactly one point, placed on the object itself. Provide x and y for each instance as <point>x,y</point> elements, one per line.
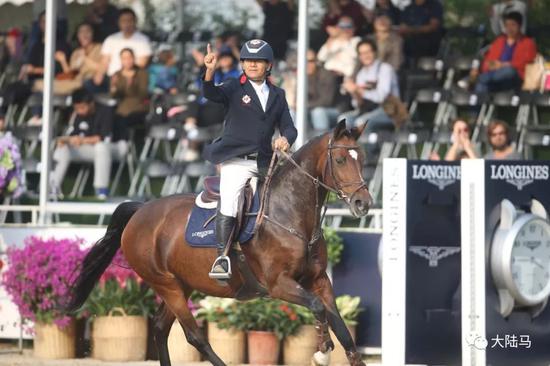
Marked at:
<point>210,59</point>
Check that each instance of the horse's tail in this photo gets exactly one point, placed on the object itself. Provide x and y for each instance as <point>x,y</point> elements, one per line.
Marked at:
<point>100,255</point>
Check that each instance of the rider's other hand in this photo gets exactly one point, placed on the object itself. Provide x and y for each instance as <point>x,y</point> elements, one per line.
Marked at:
<point>281,143</point>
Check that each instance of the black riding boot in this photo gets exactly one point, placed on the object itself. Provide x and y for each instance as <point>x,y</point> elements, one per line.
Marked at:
<point>224,226</point>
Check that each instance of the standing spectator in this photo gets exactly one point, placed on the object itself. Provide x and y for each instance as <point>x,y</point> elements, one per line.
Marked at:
<point>128,37</point>
<point>62,26</point>
<point>498,10</point>
<point>89,140</point>
<point>322,91</point>
<point>388,42</point>
<point>503,66</point>
<point>369,88</point>
<point>129,86</point>
<point>345,8</point>
<point>498,135</point>
<point>163,75</point>
<point>339,53</point>
<point>278,20</point>
<point>422,28</point>
<point>104,17</point>
<point>386,7</point>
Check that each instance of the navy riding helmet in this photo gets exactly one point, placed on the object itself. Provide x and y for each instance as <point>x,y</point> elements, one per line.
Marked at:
<point>257,49</point>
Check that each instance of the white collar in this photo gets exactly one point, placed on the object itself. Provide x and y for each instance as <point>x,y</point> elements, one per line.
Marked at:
<point>262,87</point>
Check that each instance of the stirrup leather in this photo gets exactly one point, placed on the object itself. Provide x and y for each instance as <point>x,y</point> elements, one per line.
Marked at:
<point>221,275</point>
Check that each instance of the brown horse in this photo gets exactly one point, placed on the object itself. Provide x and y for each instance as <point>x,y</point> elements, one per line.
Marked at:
<point>152,238</point>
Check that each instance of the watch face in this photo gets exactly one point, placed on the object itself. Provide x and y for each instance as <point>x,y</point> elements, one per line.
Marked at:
<point>531,258</point>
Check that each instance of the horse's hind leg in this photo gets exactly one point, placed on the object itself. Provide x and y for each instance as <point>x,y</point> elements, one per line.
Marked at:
<point>176,301</point>
<point>162,323</point>
<point>323,289</point>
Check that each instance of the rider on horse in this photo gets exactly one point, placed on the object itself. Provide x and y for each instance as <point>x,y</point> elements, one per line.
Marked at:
<point>254,108</point>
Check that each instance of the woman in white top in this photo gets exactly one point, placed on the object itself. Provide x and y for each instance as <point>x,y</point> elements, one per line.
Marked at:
<point>371,85</point>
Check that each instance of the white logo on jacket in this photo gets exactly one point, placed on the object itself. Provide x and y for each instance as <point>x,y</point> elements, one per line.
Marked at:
<point>246,99</point>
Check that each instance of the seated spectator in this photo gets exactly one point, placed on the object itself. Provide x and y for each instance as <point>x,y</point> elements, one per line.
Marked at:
<point>11,59</point>
<point>339,53</point>
<point>503,66</point>
<point>33,70</point>
<point>90,139</point>
<point>83,64</point>
<point>388,42</point>
<point>129,87</point>
<point>229,39</point>
<point>462,147</point>
<point>163,74</point>
<point>498,10</point>
<point>278,15</point>
<point>104,18</point>
<point>498,135</point>
<point>128,37</point>
<point>322,91</point>
<point>371,85</point>
<point>422,28</point>
<point>345,8</point>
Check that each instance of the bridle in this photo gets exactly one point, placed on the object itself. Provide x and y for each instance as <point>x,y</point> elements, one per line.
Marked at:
<point>338,189</point>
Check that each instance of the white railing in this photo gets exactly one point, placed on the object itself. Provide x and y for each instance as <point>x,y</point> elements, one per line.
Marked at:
<point>102,209</point>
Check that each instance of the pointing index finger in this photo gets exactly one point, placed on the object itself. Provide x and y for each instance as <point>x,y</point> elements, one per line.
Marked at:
<point>208,49</point>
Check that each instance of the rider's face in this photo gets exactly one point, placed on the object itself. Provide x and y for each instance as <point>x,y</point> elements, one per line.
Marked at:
<point>255,70</point>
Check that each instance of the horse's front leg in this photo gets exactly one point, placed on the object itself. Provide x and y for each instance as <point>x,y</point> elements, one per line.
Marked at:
<point>322,288</point>
<point>285,288</point>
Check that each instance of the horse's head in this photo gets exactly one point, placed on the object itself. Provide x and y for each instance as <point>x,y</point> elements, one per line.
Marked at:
<point>343,169</point>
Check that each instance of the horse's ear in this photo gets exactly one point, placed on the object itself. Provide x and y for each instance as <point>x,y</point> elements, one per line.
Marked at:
<point>357,131</point>
<point>339,129</point>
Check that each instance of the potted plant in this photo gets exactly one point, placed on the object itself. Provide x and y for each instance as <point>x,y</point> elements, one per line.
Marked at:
<point>349,309</point>
<point>38,278</point>
<point>10,168</point>
<point>120,304</point>
<point>267,322</point>
<point>301,344</point>
<point>335,245</point>
<point>225,333</point>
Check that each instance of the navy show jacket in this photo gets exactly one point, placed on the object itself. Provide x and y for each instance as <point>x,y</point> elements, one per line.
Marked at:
<point>247,128</point>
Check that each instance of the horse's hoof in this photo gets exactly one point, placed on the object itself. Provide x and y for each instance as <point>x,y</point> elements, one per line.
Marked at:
<point>320,359</point>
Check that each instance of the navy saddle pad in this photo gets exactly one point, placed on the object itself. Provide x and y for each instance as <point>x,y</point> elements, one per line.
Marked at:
<point>198,235</point>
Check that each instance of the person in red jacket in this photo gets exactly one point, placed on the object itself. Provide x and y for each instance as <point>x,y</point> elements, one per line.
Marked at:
<point>503,67</point>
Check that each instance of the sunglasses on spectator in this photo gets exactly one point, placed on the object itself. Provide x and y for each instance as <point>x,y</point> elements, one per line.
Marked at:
<point>345,25</point>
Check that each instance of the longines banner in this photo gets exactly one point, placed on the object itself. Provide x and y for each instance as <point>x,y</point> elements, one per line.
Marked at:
<point>506,320</point>
<point>421,262</point>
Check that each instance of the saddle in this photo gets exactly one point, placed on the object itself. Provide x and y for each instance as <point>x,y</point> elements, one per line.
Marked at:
<point>203,217</point>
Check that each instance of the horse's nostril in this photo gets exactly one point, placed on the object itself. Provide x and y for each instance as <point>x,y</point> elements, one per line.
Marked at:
<point>360,205</point>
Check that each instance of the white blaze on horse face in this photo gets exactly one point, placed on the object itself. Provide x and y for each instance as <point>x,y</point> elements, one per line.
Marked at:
<point>353,154</point>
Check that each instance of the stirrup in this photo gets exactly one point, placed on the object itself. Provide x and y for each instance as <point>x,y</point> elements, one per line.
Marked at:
<point>221,275</point>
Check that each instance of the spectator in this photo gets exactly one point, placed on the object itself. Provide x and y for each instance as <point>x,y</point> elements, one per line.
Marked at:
<point>128,37</point>
<point>388,42</point>
<point>339,53</point>
<point>163,75</point>
<point>278,20</point>
<point>422,28</point>
<point>345,8</point>
<point>369,88</point>
<point>322,91</point>
<point>227,39</point>
<point>129,86</point>
<point>61,29</point>
<point>90,139</point>
<point>498,10</point>
<point>462,147</point>
<point>104,17</point>
<point>84,63</point>
<point>33,70</point>
<point>385,7</point>
<point>498,135</point>
<point>503,66</point>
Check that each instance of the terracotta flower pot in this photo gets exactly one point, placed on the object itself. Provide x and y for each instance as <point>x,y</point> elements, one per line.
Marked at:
<point>180,350</point>
<point>53,342</point>
<point>299,348</point>
<point>228,344</point>
<point>263,348</point>
<point>338,356</point>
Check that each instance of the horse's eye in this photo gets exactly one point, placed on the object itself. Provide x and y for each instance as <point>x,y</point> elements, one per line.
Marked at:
<point>341,160</point>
